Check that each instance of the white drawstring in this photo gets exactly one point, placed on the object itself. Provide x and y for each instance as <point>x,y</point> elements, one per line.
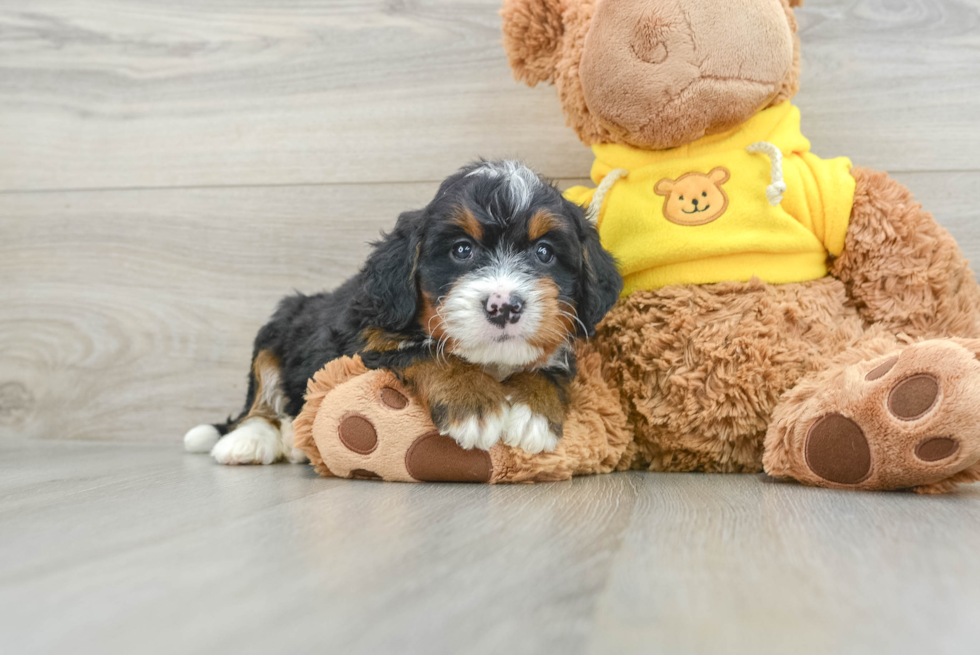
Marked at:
<point>775,191</point>
<point>600,193</point>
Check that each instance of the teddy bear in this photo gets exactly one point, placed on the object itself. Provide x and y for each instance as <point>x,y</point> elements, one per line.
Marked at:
<point>781,312</point>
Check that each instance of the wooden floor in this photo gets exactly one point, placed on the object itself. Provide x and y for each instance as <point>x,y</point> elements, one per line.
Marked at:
<point>112,548</point>
<point>169,169</point>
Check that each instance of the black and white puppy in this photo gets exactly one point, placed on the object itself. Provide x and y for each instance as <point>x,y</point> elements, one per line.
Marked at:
<point>473,302</point>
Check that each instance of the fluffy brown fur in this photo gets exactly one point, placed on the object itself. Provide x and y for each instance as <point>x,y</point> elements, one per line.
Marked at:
<point>545,39</point>
<point>704,372</point>
<point>903,271</point>
<point>701,368</point>
<point>737,377</point>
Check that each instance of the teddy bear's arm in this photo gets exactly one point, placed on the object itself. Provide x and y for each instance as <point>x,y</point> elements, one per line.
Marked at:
<point>901,268</point>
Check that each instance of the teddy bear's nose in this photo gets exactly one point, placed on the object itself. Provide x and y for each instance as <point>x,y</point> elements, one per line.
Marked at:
<point>694,202</point>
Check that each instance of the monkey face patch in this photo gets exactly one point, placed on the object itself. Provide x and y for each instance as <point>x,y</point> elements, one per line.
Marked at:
<point>694,198</point>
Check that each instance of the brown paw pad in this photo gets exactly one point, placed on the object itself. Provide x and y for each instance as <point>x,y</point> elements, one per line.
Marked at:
<point>837,450</point>
<point>914,397</point>
<point>935,449</point>
<point>881,370</point>
<point>392,399</point>
<point>437,458</point>
<point>358,434</point>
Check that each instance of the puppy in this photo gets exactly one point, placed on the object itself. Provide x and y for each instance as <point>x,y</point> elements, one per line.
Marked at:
<point>473,302</point>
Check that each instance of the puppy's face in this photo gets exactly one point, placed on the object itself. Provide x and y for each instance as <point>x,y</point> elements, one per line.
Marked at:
<point>498,269</point>
<point>505,270</point>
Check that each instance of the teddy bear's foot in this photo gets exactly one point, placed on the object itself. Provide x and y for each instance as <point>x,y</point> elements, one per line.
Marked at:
<point>360,423</point>
<point>368,427</point>
<point>905,420</point>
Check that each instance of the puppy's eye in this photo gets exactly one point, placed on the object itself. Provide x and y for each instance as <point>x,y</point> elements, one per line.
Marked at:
<point>462,250</point>
<point>545,253</point>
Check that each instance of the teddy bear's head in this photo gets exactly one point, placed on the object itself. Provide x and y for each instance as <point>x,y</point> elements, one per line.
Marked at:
<point>656,74</point>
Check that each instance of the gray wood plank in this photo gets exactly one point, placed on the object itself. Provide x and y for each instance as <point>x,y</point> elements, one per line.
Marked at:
<point>129,315</point>
<point>198,558</point>
<point>140,548</point>
<point>736,564</point>
<point>134,93</point>
<point>892,85</point>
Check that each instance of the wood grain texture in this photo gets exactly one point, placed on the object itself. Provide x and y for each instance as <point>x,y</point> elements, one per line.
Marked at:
<point>130,315</point>
<point>139,548</point>
<point>135,93</point>
<point>729,564</point>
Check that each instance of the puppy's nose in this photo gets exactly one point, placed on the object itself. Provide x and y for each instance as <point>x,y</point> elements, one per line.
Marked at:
<point>501,311</point>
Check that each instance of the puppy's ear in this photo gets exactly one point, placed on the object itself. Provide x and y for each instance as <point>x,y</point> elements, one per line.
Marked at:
<point>600,282</point>
<point>533,30</point>
<point>391,291</point>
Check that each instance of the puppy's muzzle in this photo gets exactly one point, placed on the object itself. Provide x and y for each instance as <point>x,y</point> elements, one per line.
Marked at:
<point>501,310</point>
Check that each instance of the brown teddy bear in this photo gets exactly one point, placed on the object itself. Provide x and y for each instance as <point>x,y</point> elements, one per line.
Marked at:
<point>781,312</point>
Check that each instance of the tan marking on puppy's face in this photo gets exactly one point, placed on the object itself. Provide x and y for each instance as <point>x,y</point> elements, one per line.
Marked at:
<point>540,224</point>
<point>694,198</point>
<point>466,220</point>
<point>378,340</point>
<point>430,320</point>
<point>557,324</point>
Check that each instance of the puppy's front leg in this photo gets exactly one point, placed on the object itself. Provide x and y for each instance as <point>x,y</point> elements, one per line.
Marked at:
<point>539,403</point>
<point>465,403</point>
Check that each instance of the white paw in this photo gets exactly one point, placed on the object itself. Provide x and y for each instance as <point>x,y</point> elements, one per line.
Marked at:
<point>201,439</point>
<point>529,431</point>
<point>292,455</point>
<point>256,441</point>
<point>482,434</point>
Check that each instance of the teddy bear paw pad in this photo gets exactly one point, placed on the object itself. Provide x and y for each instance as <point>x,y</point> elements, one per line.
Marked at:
<point>358,434</point>
<point>371,428</point>
<point>437,458</point>
<point>908,420</point>
<point>837,450</point>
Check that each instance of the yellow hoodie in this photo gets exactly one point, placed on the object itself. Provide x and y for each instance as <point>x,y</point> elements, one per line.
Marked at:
<point>705,212</point>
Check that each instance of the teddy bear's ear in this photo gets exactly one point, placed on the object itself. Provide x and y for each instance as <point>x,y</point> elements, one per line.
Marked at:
<point>719,175</point>
<point>664,187</point>
<point>795,3</point>
<point>532,33</point>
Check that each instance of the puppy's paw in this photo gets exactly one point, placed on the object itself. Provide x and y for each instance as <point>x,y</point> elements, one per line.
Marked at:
<point>256,441</point>
<point>201,439</point>
<point>292,455</point>
<point>475,432</point>
<point>529,431</point>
